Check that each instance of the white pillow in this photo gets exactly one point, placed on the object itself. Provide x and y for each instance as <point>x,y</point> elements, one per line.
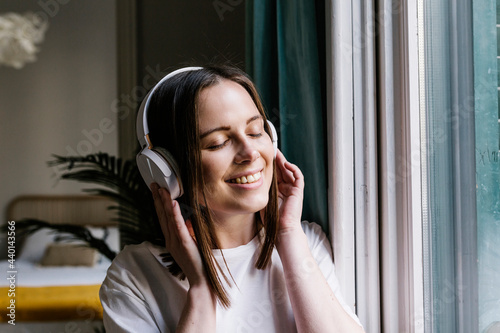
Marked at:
<point>34,245</point>
<point>113,239</point>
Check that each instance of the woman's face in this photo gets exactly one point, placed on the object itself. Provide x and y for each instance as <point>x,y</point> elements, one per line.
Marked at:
<point>237,153</point>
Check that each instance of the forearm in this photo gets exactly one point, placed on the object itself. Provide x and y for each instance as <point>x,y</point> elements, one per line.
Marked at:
<point>315,307</point>
<point>198,314</point>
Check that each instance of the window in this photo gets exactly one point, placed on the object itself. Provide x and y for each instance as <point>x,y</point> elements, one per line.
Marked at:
<point>462,183</point>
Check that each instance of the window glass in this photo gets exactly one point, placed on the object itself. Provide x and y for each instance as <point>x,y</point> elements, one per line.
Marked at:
<point>487,93</point>
<point>462,150</point>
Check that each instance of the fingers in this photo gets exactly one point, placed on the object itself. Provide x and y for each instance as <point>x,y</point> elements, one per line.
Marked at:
<point>295,173</point>
<point>181,231</point>
<point>282,172</point>
<point>170,217</point>
<point>288,172</point>
<point>279,158</point>
<point>160,211</point>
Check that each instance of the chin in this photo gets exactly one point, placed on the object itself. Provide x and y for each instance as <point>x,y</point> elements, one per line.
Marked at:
<point>251,208</point>
<point>257,207</point>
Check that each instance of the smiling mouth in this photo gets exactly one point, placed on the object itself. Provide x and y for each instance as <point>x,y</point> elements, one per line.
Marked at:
<point>246,179</point>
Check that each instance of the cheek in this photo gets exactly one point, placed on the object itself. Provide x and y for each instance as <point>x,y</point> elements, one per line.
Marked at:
<point>270,157</point>
<point>211,168</point>
<point>269,148</point>
<point>269,172</point>
<point>270,175</point>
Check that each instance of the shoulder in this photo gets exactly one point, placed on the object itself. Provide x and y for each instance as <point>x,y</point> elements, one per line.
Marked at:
<point>133,250</point>
<point>128,293</point>
<point>312,229</point>
<point>316,237</point>
<point>134,255</point>
<point>135,271</point>
<point>135,263</point>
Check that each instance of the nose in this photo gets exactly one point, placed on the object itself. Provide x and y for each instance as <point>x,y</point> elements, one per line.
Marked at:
<point>246,152</point>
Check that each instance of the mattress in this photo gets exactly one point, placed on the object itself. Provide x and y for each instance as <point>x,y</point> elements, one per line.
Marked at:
<point>36,293</point>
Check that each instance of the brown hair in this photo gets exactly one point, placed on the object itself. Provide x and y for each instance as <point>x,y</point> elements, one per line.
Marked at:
<point>173,124</point>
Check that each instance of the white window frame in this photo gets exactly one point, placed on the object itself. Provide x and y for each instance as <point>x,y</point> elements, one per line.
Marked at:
<point>409,289</point>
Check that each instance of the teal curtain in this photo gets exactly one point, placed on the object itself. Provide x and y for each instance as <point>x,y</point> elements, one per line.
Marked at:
<point>284,58</point>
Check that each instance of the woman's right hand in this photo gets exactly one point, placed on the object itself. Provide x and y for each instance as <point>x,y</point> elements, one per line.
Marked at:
<point>198,314</point>
<point>178,240</point>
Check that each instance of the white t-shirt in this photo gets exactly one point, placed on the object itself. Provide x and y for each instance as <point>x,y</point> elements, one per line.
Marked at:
<point>139,294</point>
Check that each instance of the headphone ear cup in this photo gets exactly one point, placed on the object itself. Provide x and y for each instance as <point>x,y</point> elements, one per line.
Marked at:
<point>156,165</point>
<point>274,137</point>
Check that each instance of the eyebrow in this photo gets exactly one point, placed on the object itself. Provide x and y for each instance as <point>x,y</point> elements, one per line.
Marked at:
<point>227,128</point>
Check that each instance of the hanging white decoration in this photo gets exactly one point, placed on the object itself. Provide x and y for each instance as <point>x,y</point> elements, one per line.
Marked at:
<point>19,36</point>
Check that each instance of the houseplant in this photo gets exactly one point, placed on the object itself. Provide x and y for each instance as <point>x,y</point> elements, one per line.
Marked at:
<point>116,179</point>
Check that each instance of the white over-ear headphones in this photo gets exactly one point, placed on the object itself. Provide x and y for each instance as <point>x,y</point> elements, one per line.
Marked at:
<point>156,164</point>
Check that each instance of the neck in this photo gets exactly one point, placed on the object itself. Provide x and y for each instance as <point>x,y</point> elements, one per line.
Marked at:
<point>235,230</point>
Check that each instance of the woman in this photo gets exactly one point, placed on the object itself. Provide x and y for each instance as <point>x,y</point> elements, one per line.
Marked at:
<point>250,264</point>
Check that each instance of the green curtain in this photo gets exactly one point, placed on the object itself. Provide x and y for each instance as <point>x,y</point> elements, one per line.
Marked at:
<point>285,60</point>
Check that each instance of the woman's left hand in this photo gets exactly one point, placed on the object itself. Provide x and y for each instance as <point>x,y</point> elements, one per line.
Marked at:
<point>290,193</point>
<point>314,304</point>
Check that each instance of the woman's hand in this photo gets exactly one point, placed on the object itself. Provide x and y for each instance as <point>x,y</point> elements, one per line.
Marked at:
<point>314,304</point>
<point>178,240</point>
<point>198,313</point>
<point>290,193</point>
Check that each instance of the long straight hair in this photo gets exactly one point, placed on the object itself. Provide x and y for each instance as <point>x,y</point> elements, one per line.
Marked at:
<point>173,124</point>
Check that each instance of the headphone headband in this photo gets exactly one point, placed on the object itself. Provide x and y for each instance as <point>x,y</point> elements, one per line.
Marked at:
<point>142,128</point>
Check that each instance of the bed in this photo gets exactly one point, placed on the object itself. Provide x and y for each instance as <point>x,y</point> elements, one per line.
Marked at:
<point>51,281</point>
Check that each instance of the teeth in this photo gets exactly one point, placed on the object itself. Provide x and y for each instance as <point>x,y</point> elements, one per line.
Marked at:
<point>247,179</point>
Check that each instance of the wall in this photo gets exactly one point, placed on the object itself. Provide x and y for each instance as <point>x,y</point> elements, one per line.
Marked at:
<point>178,33</point>
<point>57,104</point>
<point>165,35</point>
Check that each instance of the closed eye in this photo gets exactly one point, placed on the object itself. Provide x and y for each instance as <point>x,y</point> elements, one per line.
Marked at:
<point>215,147</point>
